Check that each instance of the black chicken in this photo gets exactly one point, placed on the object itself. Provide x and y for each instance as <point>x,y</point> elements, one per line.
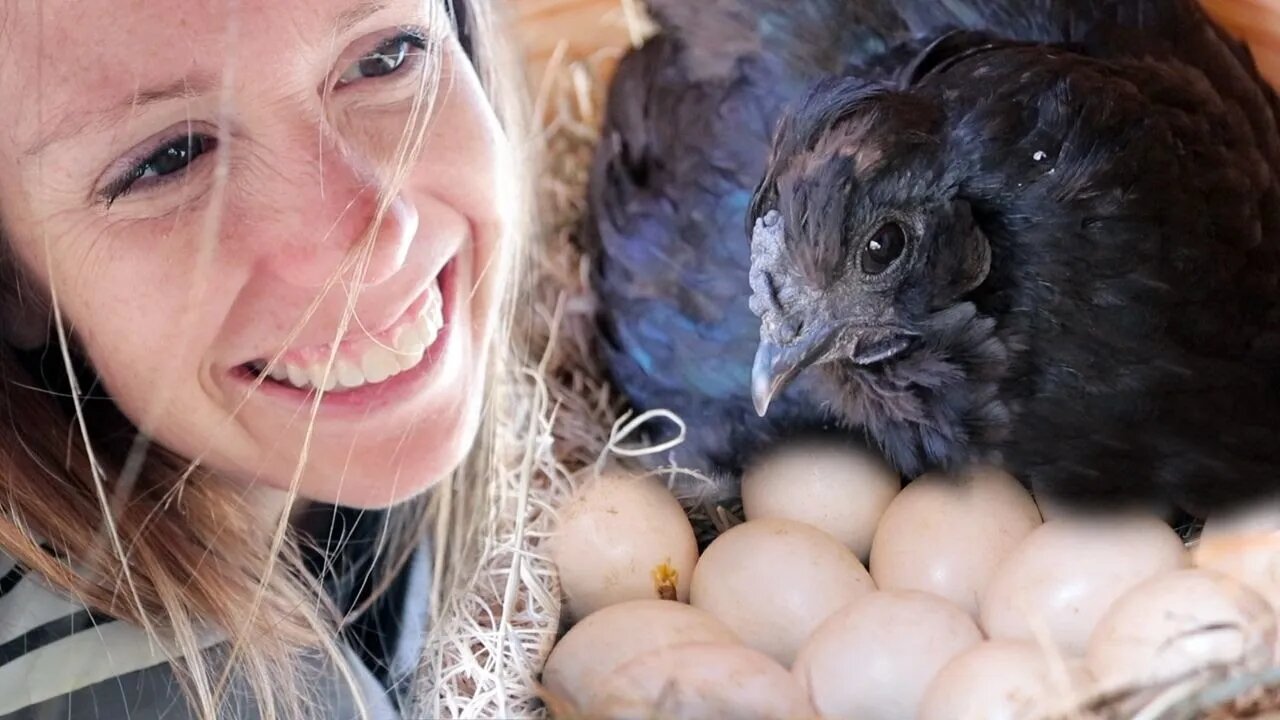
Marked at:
<point>1049,237</point>
<point>685,141</point>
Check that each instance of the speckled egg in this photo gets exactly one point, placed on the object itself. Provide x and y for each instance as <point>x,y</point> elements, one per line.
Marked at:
<point>621,538</point>
<point>1178,622</point>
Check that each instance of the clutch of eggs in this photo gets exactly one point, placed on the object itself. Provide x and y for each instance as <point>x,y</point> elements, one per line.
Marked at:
<point>846,595</point>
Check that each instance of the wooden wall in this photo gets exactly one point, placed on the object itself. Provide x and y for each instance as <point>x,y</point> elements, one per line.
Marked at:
<point>587,29</point>
<point>1258,22</point>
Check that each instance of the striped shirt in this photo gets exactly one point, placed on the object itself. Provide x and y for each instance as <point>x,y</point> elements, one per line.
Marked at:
<point>60,660</point>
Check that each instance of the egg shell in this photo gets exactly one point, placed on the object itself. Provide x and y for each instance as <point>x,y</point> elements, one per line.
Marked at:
<point>874,658</point>
<point>946,535</point>
<point>622,538</point>
<point>701,682</point>
<point>1058,583</point>
<point>601,642</point>
<point>1178,622</point>
<point>773,581</point>
<point>1005,680</point>
<point>840,490</point>
<point>1245,544</point>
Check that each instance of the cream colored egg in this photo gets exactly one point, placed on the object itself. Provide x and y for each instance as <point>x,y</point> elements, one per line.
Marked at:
<point>1245,544</point>
<point>596,646</point>
<point>1005,680</point>
<point>839,490</point>
<point>701,682</point>
<point>622,538</point>
<point>874,658</point>
<point>1058,583</point>
<point>773,581</point>
<point>946,535</point>
<point>1178,622</point>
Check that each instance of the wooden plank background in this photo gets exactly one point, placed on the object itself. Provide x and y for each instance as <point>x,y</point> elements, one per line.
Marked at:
<point>600,28</point>
<point>1258,22</point>
<point>587,29</point>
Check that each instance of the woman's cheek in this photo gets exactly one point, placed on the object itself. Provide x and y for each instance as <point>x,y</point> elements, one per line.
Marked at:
<point>485,191</point>
<point>138,369</point>
<point>144,329</point>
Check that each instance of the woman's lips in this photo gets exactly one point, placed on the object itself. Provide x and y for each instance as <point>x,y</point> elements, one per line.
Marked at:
<point>364,359</point>
<point>368,367</point>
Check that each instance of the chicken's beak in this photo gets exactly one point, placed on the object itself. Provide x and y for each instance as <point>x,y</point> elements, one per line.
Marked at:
<point>777,365</point>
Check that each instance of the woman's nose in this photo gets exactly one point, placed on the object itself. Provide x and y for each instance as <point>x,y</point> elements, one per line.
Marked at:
<point>333,219</point>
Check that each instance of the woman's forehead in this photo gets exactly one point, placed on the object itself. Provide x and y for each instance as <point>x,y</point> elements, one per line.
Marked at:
<point>81,62</point>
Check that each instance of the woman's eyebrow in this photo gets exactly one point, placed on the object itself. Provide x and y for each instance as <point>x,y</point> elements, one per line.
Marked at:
<point>182,88</point>
<point>79,123</point>
<point>358,13</point>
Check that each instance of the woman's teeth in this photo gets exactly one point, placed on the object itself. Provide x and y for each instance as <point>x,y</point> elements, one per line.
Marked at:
<point>368,361</point>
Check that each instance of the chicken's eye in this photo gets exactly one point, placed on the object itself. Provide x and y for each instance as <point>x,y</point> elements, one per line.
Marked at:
<point>883,248</point>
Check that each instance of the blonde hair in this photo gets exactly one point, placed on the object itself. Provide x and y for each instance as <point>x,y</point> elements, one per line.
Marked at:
<point>152,539</point>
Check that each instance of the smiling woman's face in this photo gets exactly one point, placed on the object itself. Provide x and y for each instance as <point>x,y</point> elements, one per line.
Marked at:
<point>198,186</point>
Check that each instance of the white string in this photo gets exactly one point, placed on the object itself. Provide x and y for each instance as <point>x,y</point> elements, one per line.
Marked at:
<point>626,425</point>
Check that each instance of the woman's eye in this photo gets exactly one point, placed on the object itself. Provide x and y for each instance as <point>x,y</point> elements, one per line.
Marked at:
<point>385,59</point>
<point>161,166</point>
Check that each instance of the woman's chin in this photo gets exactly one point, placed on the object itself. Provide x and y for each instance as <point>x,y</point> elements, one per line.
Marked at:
<point>379,473</point>
<point>375,475</point>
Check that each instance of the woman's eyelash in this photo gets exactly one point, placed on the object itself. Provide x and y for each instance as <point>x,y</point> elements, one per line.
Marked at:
<point>414,35</point>
<point>387,58</point>
<point>163,165</point>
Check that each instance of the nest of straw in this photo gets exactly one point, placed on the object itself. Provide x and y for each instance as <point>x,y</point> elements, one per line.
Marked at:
<point>494,630</point>
<point>560,421</point>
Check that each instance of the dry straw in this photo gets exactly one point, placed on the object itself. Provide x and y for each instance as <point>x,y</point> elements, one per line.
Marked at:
<point>561,422</point>
<point>495,626</point>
